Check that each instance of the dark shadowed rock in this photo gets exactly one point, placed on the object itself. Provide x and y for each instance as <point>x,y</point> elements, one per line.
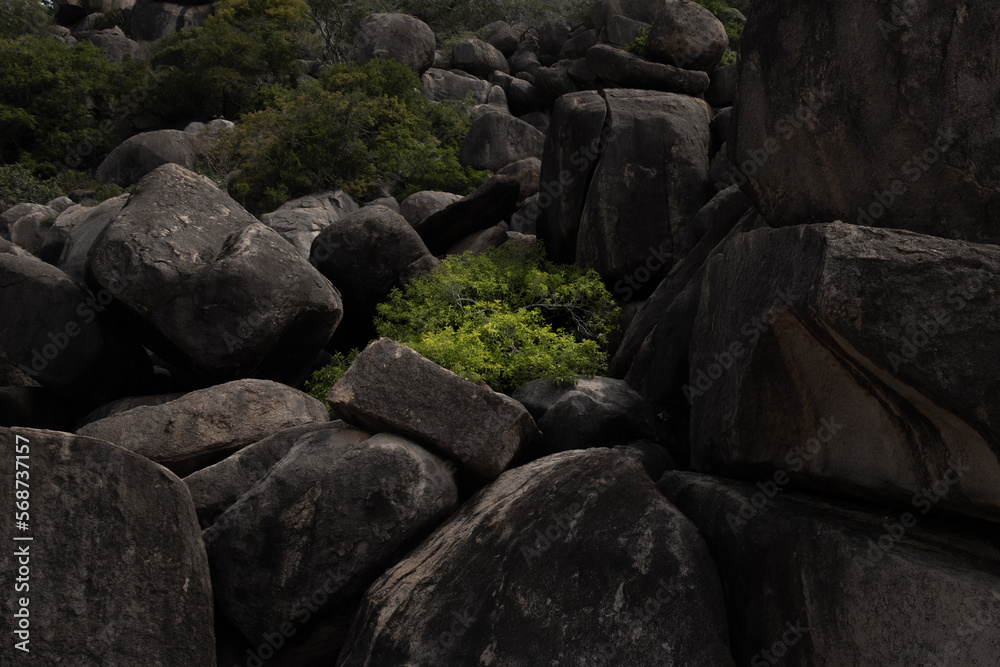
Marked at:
<point>331,516</point>
<point>687,35</point>
<point>63,339</point>
<point>630,71</point>
<point>501,35</point>
<point>567,542</point>
<point>391,387</point>
<point>124,404</point>
<point>577,47</point>
<point>924,157</point>
<point>71,236</point>
<point>491,203</point>
<point>622,30</point>
<point>552,35</point>
<point>524,60</point>
<point>208,287</point>
<point>552,83</point>
<point>205,426</point>
<point>141,154</point>
<point>722,91</point>
<point>522,97</point>
<point>399,37</point>
<point>496,139</point>
<point>214,489</point>
<point>815,580</point>
<point>152,20</point>
<point>118,574</point>
<point>299,221</point>
<point>27,225</point>
<point>527,172</point>
<point>418,206</point>
<point>35,407</point>
<point>885,333</point>
<point>477,57</point>
<point>480,242</point>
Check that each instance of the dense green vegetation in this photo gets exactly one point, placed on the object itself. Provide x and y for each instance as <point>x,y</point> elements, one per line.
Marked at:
<point>502,318</point>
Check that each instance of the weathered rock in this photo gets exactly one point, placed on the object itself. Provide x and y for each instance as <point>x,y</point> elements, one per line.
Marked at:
<point>495,140</point>
<point>567,541</point>
<point>923,158</point>
<point>399,37</point>
<point>552,83</point>
<point>391,387</point>
<point>579,73</point>
<point>73,233</point>
<point>205,426</point>
<point>538,120</point>
<point>491,203</point>
<point>440,85</point>
<point>141,154</point>
<point>208,287</point>
<point>630,71</point>
<point>524,60</point>
<point>63,339</point>
<point>366,255</point>
<point>650,181</point>
<point>124,404</point>
<point>27,225</point>
<point>388,202</point>
<point>112,41</point>
<point>60,204</point>
<point>577,47</point>
<point>552,35</point>
<point>527,172</point>
<point>502,36</point>
<point>299,221</point>
<point>687,35</point>
<point>480,242</point>
<point>722,91</point>
<point>622,30</point>
<point>216,488</point>
<point>332,515</point>
<point>886,333</point>
<point>418,206</point>
<point>823,584</point>
<point>522,97</point>
<point>118,574</point>
<point>477,57</point>
<point>153,20</point>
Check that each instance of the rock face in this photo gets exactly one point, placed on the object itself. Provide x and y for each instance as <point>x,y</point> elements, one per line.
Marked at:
<point>216,488</point>
<point>63,339</point>
<point>116,573</point>
<point>399,37</point>
<point>567,542</point>
<point>112,41</point>
<point>331,515</point>
<point>923,157</point>
<point>137,156</point>
<point>299,221</point>
<point>477,57</point>
<point>205,426</point>
<point>418,206</point>
<point>73,234</point>
<point>650,181</point>
<point>626,70</point>
<point>866,589</point>
<point>208,287</point>
<point>390,387</point>
<point>491,203</point>
<point>877,345</point>
<point>27,225</point>
<point>687,35</point>
<point>496,140</point>
<point>439,85</point>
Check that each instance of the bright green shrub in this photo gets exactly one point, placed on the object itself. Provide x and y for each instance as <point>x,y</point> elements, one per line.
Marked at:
<point>638,45</point>
<point>361,128</point>
<point>504,318</point>
<point>319,384</point>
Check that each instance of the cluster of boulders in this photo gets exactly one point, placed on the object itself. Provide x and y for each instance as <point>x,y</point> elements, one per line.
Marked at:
<point>796,459</point>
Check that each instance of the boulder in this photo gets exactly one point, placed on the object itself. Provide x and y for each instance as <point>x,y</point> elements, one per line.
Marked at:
<point>330,516</point>
<point>568,542</point>
<point>390,387</point>
<point>205,426</point>
<point>418,206</point>
<point>921,155</point>
<point>153,20</point>
<point>73,233</point>
<point>527,173</point>
<point>578,45</point>
<point>440,85</point>
<point>70,12</point>
<point>112,41</point>
<point>366,255</point>
<point>208,287</point>
<point>300,221</point>
<point>495,140</point>
<point>522,97</point>
<point>482,241</point>
<point>552,83</point>
<point>479,58</point>
<point>622,30</point>
<point>60,204</point>
<point>138,155</point>
<point>502,36</point>
<point>216,488</point>
<point>687,35</point>
<point>722,90</point>
<point>27,225</point>
<point>552,35</point>
<point>815,582</point>
<point>630,71</point>
<point>124,404</point>
<point>524,60</point>
<point>877,345</point>
<point>117,570</point>
<point>649,182</point>
<point>63,338</point>
<point>491,203</point>
<point>399,37</point>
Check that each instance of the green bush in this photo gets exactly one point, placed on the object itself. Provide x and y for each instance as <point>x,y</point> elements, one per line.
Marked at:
<point>365,129</point>
<point>504,318</point>
<point>24,17</point>
<point>638,45</point>
<point>734,29</point>
<point>60,105</point>
<point>215,70</point>
<point>319,384</point>
<point>19,184</point>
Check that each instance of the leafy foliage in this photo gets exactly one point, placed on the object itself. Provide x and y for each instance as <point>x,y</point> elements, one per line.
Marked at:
<point>319,384</point>
<point>60,105</point>
<point>638,45</point>
<point>216,69</point>
<point>24,17</point>
<point>722,10</point>
<point>504,318</point>
<point>365,129</point>
<point>18,184</point>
